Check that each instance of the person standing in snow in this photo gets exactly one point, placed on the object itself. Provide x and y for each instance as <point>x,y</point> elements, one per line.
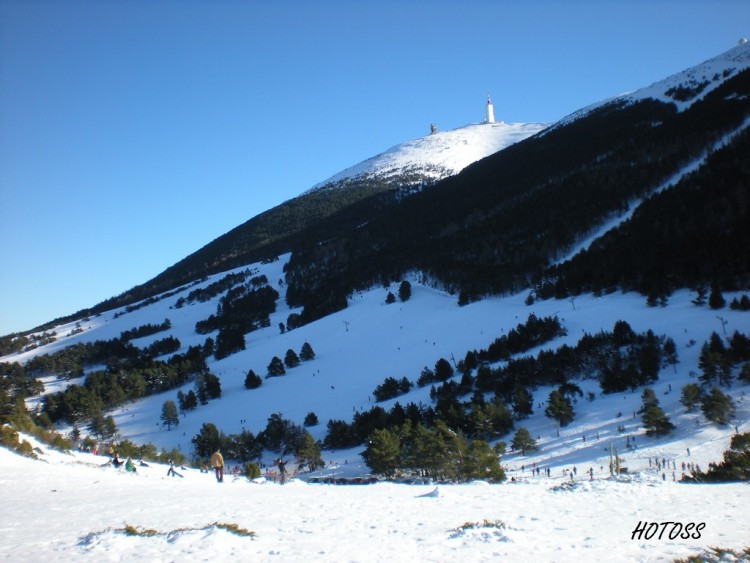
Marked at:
<point>171,470</point>
<point>217,462</point>
<point>282,470</point>
<point>116,460</point>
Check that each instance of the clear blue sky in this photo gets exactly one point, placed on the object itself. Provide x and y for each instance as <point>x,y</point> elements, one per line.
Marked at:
<point>133,133</point>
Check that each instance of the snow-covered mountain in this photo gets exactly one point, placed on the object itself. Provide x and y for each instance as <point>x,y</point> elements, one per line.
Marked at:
<point>689,86</point>
<point>433,157</point>
<point>407,167</point>
<point>683,88</point>
<point>557,517</point>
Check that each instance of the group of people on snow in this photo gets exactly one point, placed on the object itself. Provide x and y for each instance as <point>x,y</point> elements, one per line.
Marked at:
<point>216,463</point>
<point>117,462</point>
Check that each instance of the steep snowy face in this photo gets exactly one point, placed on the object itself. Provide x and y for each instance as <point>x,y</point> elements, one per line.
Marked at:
<point>683,88</point>
<point>431,158</point>
<point>687,87</point>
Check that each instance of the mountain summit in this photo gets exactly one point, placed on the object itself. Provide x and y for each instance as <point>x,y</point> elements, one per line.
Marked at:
<point>436,156</point>
<point>338,204</point>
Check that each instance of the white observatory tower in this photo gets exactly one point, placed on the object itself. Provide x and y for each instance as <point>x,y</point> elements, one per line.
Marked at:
<point>490,117</point>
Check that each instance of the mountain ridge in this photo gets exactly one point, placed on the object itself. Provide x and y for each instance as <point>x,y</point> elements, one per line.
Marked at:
<point>681,88</point>
<point>323,214</point>
<point>438,155</point>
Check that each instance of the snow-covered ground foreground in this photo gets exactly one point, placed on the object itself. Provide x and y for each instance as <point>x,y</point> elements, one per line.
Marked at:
<point>68,508</point>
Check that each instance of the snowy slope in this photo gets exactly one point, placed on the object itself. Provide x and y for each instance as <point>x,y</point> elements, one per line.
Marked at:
<point>69,508</point>
<point>702,78</point>
<point>83,508</point>
<point>683,88</point>
<point>357,348</point>
<point>437,156</point>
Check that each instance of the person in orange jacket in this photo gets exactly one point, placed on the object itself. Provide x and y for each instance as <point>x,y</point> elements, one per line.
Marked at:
<point>217,462</point>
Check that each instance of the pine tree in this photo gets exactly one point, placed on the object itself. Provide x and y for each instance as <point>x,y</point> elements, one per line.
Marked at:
<point>228,341</point>
<point>425,377</point>
<point>311,419</point>
<point>522,403</point>
<point>739,348</point>
<point>481,462</point>
<point>523,441</point>
<point>717,407</point>
<point>404,291</point>
<point>213,386</point>
<point>649,358</point>
<point>252,380</point>
<point>207,441</point>
<point>716,299</point>
<point>559,408</point>
<point>714,362</point>
<point>75,435</point>
<point>276,367</point>
<point>382,454</point>
<point>294,320</point>
<point>169,414</point>
<point>110,428</point>
<point>181,399</point>
<point>700,298</point>
<point>736,464</point>
<point>291,359</point>
<point>200,389</point>
<point>443,370</point>
<point>96,425</point>
<point>670,354</point>
<point>655,421</point>
<point>245,446</point>
<point>306,353</point>
<point>309,453</point>
<point>191,400</point>
<point>450,453</point>
<point>691,396</point>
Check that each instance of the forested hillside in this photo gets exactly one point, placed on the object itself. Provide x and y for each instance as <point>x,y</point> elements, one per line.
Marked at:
<point>497,226</point>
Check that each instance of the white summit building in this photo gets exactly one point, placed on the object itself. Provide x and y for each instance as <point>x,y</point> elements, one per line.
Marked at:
<point>490,117</point>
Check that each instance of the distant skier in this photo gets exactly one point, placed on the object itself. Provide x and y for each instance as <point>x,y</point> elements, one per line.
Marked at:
<point>282,470</point>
